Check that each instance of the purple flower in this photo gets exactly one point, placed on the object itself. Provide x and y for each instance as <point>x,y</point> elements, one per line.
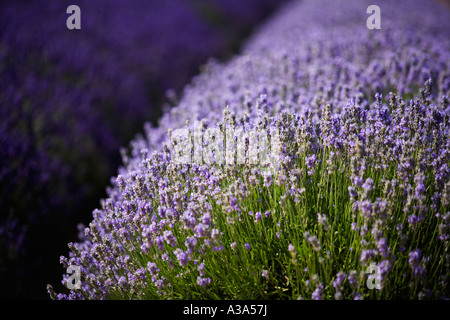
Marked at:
<point>414,261</point>
<point>191,242</point>
<point>203,282</point>
<point>151,266</point>
<point>310,162</point>
<point>291,249</point>
<point>353,278</point>
<point>357,181</point>
<point>170,238</point>
<point>414,219</point>
<point>353,194</point>
<point>317,294</point>
<point>339,280</point>
<point>322,219</point>
<point>160,242</point>
<point>383,248</point>
<point>313,241</point>
<point>367,254</point>
<point>215,233</point>
<point>384,267</point>
<point>206,219</point>
<point>368,185</point>
<point>181,256</point>
<point>199,230</point>
<point>358,296</point>
<point>247,247</point>
<point>123,282</point>
<point>201,269</point>
<point>366,207</point>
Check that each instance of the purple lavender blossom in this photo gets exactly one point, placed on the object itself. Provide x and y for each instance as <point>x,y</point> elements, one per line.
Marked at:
<point>203,282</point>
<point>182,257</point>
<point>318,293</point>
<point>414,262</point>
<point>200,230</point>
<point>151,266</point>
<point>353,279</point>
<point>339,281</point>
<point>367,254</point>
<point>366,207</point>
<point>383,248</point>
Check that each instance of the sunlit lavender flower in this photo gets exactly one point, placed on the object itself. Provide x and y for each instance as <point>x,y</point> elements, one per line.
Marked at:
<point>203,282</point>
<point>353,279</point>
<point>367,254</point>
<point>384,268</point>
<point>182,257</point>
<point>383,248</point>
<point>339,281</point>
<point>368,186</point>
<point>310,162</point>
<point>201,269</point>
<point>318,293</point>
<point>170,238</point>
<point>313,241</point>
<point>206,219</point>
<point>366,207</point>
<point>160,242</point>
<point>420,186</point>
<point>199,230</point>
<point>357,181</point>
<point>151,266</point>
<point>353,193</point>
<point>123,282</point>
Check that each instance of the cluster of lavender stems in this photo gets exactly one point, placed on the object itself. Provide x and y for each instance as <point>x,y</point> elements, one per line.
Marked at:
<point>361,177</point>
<point>69,99</point>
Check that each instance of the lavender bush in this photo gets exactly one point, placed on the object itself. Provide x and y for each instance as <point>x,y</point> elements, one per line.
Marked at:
<point>70,99</point>
<point>360,182</point>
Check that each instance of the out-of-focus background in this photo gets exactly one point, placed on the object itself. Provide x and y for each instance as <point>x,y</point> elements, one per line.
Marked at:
<point>70,99</point>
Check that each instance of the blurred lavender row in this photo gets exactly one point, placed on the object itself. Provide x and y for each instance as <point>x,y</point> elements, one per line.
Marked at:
<point>70,98</point>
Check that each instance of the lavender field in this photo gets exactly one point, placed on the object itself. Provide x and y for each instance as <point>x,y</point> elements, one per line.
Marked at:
<point>69,99</point>
<point>313,163</point>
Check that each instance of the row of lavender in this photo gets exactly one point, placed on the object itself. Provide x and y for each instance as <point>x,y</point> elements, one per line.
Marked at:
<point>362,180</point>
<point>70,99</point>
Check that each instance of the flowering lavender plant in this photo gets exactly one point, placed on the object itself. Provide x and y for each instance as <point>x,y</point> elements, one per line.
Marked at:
<point>70,99</point>
<point>360,178</point>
